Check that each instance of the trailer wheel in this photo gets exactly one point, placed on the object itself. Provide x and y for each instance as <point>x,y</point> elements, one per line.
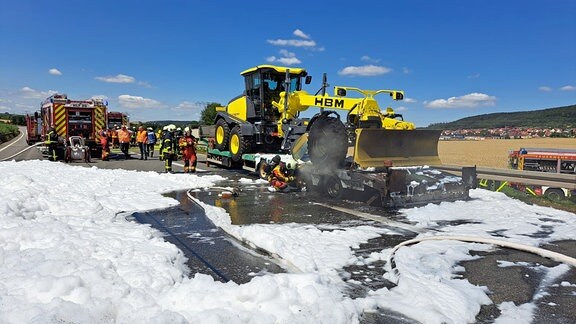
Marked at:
<point>238,145</point>
<point>555,194</point>
<point>222,135</point>
<point>328,142</point>
<point>333,187</point>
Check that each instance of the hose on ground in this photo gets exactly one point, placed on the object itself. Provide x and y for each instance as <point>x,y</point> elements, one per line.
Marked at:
<point>521,247</point>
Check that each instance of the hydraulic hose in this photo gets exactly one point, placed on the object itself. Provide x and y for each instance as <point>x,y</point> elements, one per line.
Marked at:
<point>521,247</point>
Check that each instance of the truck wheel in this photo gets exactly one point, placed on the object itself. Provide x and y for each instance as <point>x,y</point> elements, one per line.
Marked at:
<point>222,134</point>
<point>333,187</point>
<point>555,194</point>
<point>328,142</point>
<point>238,145</point>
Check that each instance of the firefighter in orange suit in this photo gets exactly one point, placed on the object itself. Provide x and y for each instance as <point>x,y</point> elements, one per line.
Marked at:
<point>282,177</point>
<point>105,145</point>
<point>187,145</point>
<point>114,135</point>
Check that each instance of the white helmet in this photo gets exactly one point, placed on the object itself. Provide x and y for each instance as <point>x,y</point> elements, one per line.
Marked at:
<point>291,164</point>
<point>187,129</point>
<point>178,129</point>
<point>165,128</point>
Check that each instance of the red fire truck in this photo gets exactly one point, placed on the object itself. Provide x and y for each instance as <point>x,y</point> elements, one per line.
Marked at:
<point>117,119</point>
<point>545,160</point>
<point>72,119</point>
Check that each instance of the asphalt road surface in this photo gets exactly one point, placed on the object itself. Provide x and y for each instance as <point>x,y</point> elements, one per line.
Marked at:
<point>187,227</point>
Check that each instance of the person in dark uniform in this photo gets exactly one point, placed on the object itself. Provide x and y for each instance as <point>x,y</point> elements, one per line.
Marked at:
<point>52,142</point>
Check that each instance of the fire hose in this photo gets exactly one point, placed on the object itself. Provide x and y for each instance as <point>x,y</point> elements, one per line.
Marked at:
<point>521,247</point>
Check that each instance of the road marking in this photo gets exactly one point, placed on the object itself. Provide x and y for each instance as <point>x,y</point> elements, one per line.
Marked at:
<point>12,142</point>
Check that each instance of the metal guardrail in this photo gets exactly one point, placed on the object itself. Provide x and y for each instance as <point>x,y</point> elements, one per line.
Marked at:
<point>557,180</point>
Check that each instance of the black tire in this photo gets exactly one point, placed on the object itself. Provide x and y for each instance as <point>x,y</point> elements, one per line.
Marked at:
<point>221,135</point>
<point>238,144</point>
<point>327,142</point>
<point>333,187</point>
<point>555,194</point>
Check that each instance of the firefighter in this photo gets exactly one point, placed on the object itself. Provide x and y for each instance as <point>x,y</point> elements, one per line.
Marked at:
<point>52,142</point>
<point>282,177</point>
<point>105,145</point>
<point>151,141</point>
<point>166,134</point>
<point>177,135</point>
<point>142,140</point>
<point>133,132</point>
<point>114,135</point>
<point>167,154</point>
<point>187,144</point>
<point>124,139</point>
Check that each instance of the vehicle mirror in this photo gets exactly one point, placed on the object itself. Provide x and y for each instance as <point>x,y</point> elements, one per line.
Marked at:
<point>341,92</point>
<point>397,95</point>
<point>308,79</point>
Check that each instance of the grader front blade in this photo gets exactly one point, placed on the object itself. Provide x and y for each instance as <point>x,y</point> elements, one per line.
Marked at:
<point>381,147</point>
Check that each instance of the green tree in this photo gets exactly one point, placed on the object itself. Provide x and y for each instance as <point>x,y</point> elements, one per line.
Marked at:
<point>208,114</point>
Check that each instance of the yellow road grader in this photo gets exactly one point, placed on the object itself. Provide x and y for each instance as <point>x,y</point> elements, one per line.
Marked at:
<point>356,152</point>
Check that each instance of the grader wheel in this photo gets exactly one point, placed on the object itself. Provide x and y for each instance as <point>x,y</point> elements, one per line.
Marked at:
<point>238,145</point>
<point>328,142</point>
<point>222,135</point>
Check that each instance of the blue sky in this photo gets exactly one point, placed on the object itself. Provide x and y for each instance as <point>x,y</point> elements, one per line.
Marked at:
<point>167,59</point>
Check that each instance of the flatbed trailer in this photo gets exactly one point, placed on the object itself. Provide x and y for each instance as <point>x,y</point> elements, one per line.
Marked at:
<point>253,162</point>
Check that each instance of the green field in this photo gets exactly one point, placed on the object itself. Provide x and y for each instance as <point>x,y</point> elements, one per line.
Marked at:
<point>7,132</point>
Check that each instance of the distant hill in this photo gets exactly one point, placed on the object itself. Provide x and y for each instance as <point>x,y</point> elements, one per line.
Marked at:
<point>561,117</point>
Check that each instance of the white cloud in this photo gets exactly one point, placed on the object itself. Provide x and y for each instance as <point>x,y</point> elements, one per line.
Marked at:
<point>292,42</point>
<point>131,102</point>
<point>301,34</point>
<point>568,88</point>
<point>103,97</point>
<point>545,89</point>
<point>29,93</point>
<point>190,106</point>
<point>366,70</point>
<point>287,58</point>
<point>405,70</point>
<point>367,58</point>
<point>283,60</point>
<point>54,72</point>
<point>474,76</point>
<point>410,100</point>
<point>120,78</point>
<point>400,109</point>
<point>189,110</point>
<point>470,100</point>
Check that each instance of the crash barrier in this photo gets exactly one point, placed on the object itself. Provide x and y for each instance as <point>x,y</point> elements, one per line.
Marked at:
<point>557,180</point>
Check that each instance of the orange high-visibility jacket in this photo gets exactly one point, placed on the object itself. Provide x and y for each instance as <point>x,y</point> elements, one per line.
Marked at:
<point>124,136</point>
<point>142,136</point>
